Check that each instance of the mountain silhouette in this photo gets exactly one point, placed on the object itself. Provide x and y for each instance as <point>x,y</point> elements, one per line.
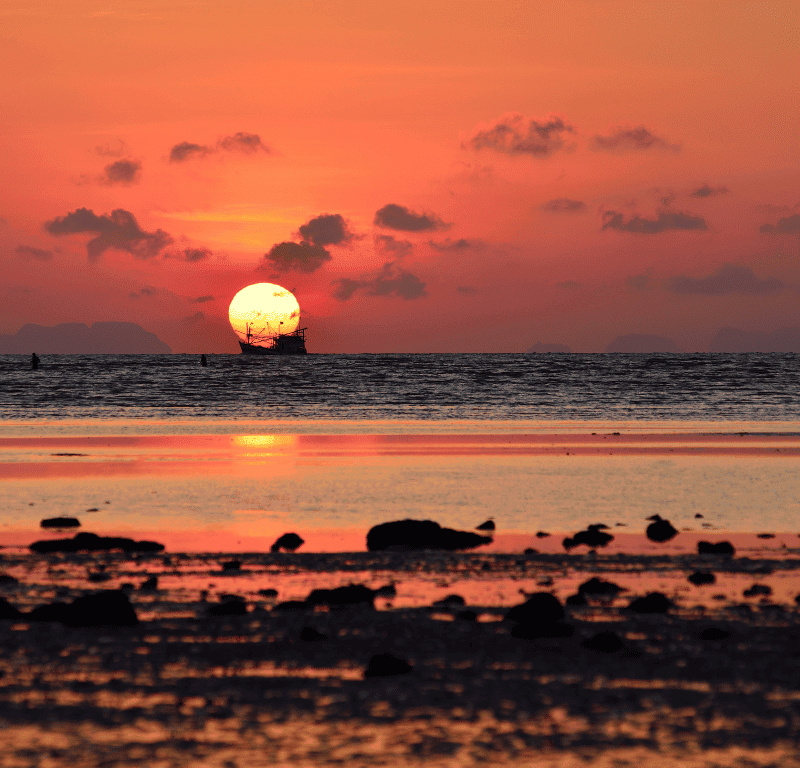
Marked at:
<point>108,338</point>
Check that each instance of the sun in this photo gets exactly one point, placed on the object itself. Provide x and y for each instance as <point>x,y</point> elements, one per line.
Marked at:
<point>265,309</point>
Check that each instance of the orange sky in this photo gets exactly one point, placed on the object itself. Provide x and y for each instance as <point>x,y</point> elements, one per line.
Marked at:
<point>554,172</point>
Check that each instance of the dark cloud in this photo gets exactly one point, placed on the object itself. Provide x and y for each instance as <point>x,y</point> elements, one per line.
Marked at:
<point>664,221</point>
<point>202,300</point>
<point>122,172</point>
<point>391,280</point>
<point>346,287</point>
<point>145,291</point>
<point>729,278</point>
<point>327,229</point>
<point>29,252</point>
<point>516,134</point>
<point>119,230</point>
<point>118,149</point>
<point>638,282</point>
<point>248,143</point>
<point>563,205</point>
<point>709,191</point>
<point>452,245</point>
<point>788,225</point>
<point>188,254</point>
<point>397,248</point>
<point>300,257</point>
<point>630,139</point>
<point>184,151</point>
<point>393,216</point>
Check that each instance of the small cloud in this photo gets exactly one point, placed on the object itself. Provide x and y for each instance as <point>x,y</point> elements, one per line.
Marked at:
<point>184,151</point>
<point>300,257</point>
<point>788,225</point>
<point>123,172</point>
<point>469,289</point>
<point>116,149</point>
<point>145,291</point>
<point>247,143</point>
<point>729,278</point>
<point>399,217</point>
<point>664,221</point>
<point>191,255</point>
<point>563,205</point>
<point>327,229</point>
<point>709,191</point>
<point>346,287</point>
<point>202,299</point>
<point>29,252</point>
<point>516,134</point>
<point>630,139</point>
<point>119,231</point>
<point>452,245</point>
<point>638,282</point>
<point>391,280</point>
<point>391,245</point>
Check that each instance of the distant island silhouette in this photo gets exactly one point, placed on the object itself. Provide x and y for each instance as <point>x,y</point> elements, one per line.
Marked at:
<point>105,338</point>
<point>641,342</point>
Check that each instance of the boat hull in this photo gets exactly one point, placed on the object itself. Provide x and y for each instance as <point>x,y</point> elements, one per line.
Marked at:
<point>283,349</point>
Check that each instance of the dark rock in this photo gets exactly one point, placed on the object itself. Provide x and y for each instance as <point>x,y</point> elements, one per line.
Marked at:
<point>91,542</point>
<point>660,530</point>
<point>7,580</point>
<point>714,635</point>
<point>593,536</point>
<point>310,635</point>
<point>451,601</point>
<point>540,607</point>
<point>546,629</point>
<point>387,590</point>
<point>698,516</point>
<point>467,616</point>
<point>758,590</point>
<point>353,595</point>
<point>655,602</point>
<point>765,536</point>
<point>699,578</point>
<point>403,535</point>
<point>717,548</point>
<point>110,608</point>
<point>60,522</point>
<point>604,642</point>
<point>288,542</point>
<point>50,612</point>
<point>269,592</point>
<point>386,665</point>
<point>487,526</point>
<point>598,587</point>
<point>531,551</point>
<point>7,611</point>
<point>150,585</point>
<point>291,606</point>
<point>232,565</point>
<point>542,534</point>
<point>229,605</point>
<point>576,600</point>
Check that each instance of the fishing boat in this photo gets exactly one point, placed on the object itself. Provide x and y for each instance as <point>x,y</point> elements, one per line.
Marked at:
<point>265,343</point>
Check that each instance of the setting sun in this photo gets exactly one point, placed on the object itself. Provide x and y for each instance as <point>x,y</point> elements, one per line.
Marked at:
<point>265,309</point>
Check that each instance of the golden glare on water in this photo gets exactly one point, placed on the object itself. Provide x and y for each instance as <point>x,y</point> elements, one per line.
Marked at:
<point>266,309</point>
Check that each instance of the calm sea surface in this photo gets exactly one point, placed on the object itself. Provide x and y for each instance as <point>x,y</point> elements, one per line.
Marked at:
<point>609,387</point>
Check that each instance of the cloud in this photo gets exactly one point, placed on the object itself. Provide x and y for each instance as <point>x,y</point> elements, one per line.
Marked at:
<point>184,151</point>
<point>300,257</point>
<point>729,278</point>
<point>145,291</point>
<point>453,245</point>
<point>391,280</point>
<point>327,229</point>
<point>708,191</point>
<point>119,231</point>
<point>638,282</point>
<point>122,172</point>
<point>563,205</point>
<point>393,246</point>
<point>189,254</point>
<point>29,252</point>
<point>393,216</point>
<point>113,150</point>
<point>788,225</point>
<point>664,221</point>
<point>243,143</point>
<point>202,299</point>
<point>516,134</point>
<point>627,139</point>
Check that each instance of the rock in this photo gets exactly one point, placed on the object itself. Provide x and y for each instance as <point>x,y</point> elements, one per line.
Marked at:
<point>540,607</point>
<point>292,606</point>
<point>660,530</point>
<point>598,587</point>
<point>91,542</point>
<point>592,537</point>
<point>232,565</point>
<point>387,590</point>
<point>698,516</point>
<point>714,635</point>
<point>451,601</point>
<point>531,551</point>
<point>60,522</point>
<point>150,585</point>
<point>310,635</point>
<point>387,665</point>
<point>288,542</point>
<point>758,590</point>
<point>604,642</point>
<point>110,608</point>
<point>717,548</point>
<point>654,602</point>
<point>699,578</point>
<point>6,580</point>
<point>7,611</point>
<point>353,595</point>
<point>229,605</point>
<point>576,600</point>
<point>765,536</point>
<point>542,534</point>
<point>50,612</point>
<point>269,592</point>
<point>487,526</point>
<point>404,535</point>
